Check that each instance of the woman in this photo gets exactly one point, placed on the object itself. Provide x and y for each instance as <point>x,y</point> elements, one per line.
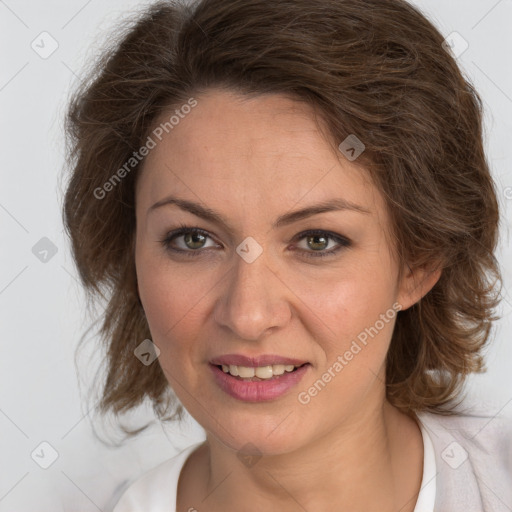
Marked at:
<point>290,210</point>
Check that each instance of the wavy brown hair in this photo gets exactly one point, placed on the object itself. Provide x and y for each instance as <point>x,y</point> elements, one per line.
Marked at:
<point>374,68</point>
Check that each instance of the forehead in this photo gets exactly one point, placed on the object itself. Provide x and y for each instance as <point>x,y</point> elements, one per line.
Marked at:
<point>266,149</point>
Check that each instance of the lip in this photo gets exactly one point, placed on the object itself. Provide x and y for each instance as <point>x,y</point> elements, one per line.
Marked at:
<point>258,391</point>
<point>254,361</point>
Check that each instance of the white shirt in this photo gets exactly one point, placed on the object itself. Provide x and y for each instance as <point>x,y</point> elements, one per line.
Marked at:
<point>156,490</point>
<point>427,495</point>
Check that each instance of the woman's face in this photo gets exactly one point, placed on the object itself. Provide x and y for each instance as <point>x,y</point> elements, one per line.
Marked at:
<point>253,287</point>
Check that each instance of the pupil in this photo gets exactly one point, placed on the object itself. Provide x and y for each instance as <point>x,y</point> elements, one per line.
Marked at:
<point>315,243</point>
<point>192,238</point>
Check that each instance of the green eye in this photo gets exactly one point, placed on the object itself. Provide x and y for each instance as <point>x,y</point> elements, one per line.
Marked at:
<point>194,240</point>
<point>318,241</point>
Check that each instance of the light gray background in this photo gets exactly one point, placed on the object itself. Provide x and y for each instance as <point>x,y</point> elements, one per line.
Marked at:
<point>41,305</point>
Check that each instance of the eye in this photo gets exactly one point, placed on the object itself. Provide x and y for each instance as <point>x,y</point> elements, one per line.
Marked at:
<point>317,241</point>
<point>191,240</point>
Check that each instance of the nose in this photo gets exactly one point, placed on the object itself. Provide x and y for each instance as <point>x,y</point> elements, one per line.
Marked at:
<point>253,300</point>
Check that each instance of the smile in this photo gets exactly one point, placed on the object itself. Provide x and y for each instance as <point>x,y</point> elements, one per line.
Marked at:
<point>260,383</point>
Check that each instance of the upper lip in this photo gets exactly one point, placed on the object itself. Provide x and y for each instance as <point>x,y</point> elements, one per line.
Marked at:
<point>249,361</point>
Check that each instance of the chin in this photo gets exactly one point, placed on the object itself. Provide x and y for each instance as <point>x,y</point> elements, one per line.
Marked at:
<point>268,435</point>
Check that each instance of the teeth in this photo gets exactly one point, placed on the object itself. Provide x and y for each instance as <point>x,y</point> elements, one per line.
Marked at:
<point>245,372</point>
<point>262,372</point>
<point>278,369</point>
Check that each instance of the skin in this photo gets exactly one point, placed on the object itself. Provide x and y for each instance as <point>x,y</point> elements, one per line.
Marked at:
<point>253,160</point>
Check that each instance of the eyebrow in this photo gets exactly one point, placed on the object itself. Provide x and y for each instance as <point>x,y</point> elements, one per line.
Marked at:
<point>337,204</point>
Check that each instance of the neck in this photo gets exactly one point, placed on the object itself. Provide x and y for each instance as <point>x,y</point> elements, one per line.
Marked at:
<point>373,463</point>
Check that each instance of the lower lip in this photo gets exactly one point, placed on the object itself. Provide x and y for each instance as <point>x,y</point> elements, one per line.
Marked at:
<point>258,391</point>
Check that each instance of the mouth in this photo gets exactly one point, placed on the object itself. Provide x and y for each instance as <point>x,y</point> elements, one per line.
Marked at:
<point>258,383</point>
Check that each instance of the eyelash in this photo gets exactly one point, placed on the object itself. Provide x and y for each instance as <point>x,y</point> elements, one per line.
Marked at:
<point>185,229</point>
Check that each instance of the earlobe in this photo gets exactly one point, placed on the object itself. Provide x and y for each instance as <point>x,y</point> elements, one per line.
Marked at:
<point>416,283</point>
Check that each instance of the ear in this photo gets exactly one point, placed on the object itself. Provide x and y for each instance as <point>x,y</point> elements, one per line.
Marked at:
<point>416,283</point>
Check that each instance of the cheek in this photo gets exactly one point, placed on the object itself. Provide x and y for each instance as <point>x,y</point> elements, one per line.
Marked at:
<point>170,315</point>
<point>354,341</point>
<point>348,300</point>
<point>176,303</point>
<point>354,318</point>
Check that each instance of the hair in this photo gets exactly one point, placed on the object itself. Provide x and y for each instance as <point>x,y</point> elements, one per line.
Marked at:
<point>377,69</point>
